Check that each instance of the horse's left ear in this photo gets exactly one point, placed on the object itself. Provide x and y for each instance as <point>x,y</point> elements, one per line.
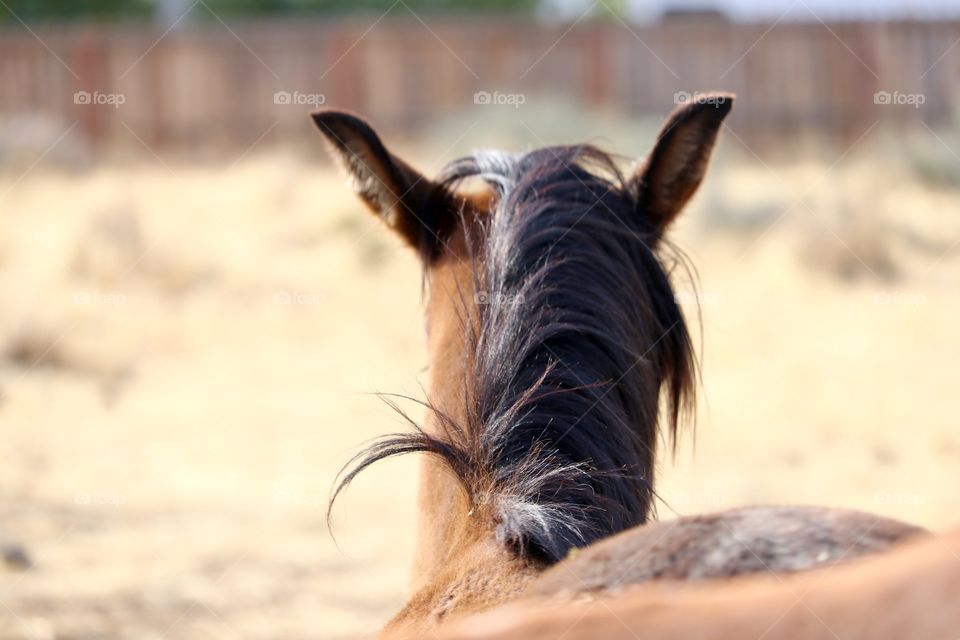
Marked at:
<point>674,168</point>
<point>410,203</point>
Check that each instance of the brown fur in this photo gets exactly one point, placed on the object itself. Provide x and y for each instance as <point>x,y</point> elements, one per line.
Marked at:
<point>723,545</point>
<point>909,592</point>
<point>457,567</point>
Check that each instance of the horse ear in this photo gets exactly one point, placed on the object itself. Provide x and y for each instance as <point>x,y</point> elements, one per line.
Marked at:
<point>410,203</point>
<point>674,168</point>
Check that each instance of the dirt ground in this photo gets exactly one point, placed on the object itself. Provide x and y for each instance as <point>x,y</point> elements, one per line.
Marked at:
<point>188,355</point>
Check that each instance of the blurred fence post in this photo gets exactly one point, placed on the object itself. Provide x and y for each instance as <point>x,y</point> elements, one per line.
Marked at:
<point>213,85</point>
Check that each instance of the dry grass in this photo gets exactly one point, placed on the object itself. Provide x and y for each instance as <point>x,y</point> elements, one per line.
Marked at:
<point>187,359</point>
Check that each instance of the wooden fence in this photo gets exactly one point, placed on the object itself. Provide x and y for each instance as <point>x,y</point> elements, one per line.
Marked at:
<point>213,84</point>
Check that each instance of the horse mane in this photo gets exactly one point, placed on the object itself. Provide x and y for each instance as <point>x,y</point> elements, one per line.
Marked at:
<point>580,355</point>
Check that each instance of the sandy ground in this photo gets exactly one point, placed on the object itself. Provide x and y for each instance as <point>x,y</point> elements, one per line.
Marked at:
<point>188,356</point>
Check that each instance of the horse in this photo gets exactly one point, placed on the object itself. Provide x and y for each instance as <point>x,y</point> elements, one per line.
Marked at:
<point>559,357</point>
<point>907,592</point>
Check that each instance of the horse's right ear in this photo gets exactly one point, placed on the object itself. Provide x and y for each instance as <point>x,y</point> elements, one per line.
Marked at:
<point>410,203</point>
<point>675,166</point>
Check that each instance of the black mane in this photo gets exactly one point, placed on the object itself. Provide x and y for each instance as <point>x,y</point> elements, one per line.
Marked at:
<point>580,339</point>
